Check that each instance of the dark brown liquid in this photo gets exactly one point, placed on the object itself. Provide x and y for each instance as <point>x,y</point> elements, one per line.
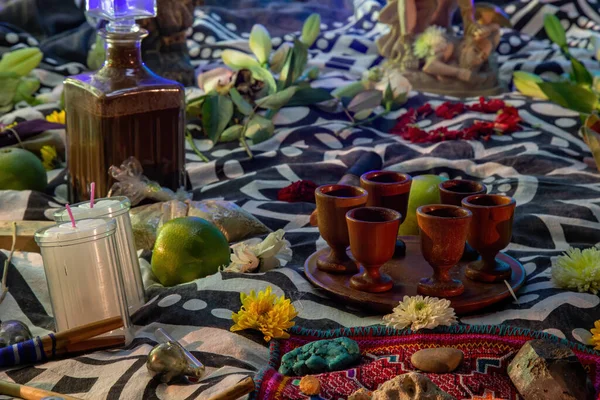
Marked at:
<point>98,142</point>
<point>387,178</point>
<point>124,110</point>
<point>345,192</point>
<point>489,201</point>
<point>463,187</point>
<point>373,215</point>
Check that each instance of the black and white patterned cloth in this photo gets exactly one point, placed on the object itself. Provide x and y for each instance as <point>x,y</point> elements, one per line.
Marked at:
<point>542,167</point>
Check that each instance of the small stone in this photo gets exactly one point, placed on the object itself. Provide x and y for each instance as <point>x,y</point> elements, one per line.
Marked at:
<point>438,360</point>
<point>410,386</point>
<point>360,394</point>
<point>546,370</point>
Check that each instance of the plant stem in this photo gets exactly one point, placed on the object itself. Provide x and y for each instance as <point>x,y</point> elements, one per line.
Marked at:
<point>190,140</point>
<point>363,122</point>
<point>246,147</point>
<point>348,114</point>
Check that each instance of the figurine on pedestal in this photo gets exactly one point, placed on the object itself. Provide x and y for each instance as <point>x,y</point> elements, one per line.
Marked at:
<point>165,50</point>
<point>423,46</point>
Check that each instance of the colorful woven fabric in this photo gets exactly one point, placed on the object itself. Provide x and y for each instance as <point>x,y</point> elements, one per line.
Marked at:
<point>386,353</point>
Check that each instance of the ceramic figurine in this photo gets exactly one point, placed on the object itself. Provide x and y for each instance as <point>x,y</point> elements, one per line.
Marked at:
<point>165,49</point>
<point>422,45</point>
<point>12,332</point>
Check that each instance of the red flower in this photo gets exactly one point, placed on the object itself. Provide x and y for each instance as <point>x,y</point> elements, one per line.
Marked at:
<point>508,120</point>
<point>449,110</point>
<point>297,192</point>
<point>424,110</point>
<point>480,129</point>
<point>408,118</point>
<point>491,106</point>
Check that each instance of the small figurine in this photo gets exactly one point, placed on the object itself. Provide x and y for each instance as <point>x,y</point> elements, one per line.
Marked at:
<point>423,46</point>
<point>12,332</point>
<point>169,361</point>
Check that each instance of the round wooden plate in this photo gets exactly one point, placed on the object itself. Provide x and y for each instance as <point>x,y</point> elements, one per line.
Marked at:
<point>406,273</point>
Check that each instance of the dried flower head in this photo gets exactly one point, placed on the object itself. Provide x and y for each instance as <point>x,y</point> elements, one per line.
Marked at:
<point>429,42</point>
<point>578,269</point>
<point>310,385</point>
<point>265,312</point>
<point>418,312</point>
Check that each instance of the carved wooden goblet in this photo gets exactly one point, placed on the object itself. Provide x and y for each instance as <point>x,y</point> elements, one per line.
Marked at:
<point>388,189</point>
<point>333,202</point>
<point>373,232</point>
<point>443,233</point>
<point>490,232</point>
<point>452,192</point>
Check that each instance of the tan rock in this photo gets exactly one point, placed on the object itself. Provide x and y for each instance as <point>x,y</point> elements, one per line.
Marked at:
<point>410,386</point>
<point>438,360</point>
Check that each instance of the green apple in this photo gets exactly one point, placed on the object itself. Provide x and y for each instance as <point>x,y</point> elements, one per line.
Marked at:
<point>424,190</point>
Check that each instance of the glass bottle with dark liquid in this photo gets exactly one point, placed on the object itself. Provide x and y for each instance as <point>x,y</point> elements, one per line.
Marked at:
<point>123,110</point>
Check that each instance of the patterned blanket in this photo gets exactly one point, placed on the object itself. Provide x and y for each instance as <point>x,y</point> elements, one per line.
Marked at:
<point>541,167</point>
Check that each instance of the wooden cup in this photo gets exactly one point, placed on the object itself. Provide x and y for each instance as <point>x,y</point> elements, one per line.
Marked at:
<point>333,202</point>
<point>452,192</point>
<point>373,232</point>
<point>490,232</point>
<point>443,233</point>
<point>388,189</point>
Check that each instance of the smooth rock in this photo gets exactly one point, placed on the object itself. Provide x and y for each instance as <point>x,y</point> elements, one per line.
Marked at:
<point>12,332</point>
<point>438,360</point>
<point>546,370</point>
<point>410,386</point>
<point>320,356</point>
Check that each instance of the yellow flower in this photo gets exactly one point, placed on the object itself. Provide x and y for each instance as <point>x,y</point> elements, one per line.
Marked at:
<point>57,117</point>
<point>265,312</point>
<point>49,156</point>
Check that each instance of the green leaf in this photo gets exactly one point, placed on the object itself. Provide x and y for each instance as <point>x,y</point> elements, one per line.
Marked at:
<point>580,74</point>
<point>241,104</point>
<point>363,114</point>
<point>297,63</point>
<point>311,29</point>
<point>194,107</point>
<point>260,43</point>
<point>570,96</point>
<point>555,30</point>
<point>285,77</point>
<point>237,60</point>
<point>259,129</point>
<point>527,84</point>
<point>277,100</point>
<point>25,90</point>
<point>232,133</point>
<point>309,96</point>
<point>368,99</point>
<point>8,88</point>
<point>388,95</point>
<point>217,111</point>
<point>349,90</point>
<point>264,75</point>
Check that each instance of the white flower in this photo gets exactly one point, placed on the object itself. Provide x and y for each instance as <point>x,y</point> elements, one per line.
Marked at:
<point>578,270</point>
<point>417,313</point>
<point>243,259</point>
<point>214,79</point>
<point>391,76</point>
<point>264,255</point>
<point>431,41</point>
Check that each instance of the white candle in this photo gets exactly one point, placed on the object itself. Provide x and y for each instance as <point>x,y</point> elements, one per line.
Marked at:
<point>117,208</point>
<point>83,274</point>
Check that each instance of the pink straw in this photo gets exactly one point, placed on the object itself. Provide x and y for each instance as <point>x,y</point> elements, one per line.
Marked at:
<point>71,216</point>
<point>92,193</point>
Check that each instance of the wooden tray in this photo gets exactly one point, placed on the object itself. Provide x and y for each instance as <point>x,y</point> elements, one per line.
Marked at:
<point>406,273</point>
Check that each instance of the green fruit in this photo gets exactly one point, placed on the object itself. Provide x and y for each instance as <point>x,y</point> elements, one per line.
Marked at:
<point>188,248</point>
<point>21,170</point>
<point>424,190</point>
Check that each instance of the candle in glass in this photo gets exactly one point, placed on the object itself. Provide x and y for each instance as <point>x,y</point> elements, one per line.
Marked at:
<point>117,208</point>
<point>83,274</point>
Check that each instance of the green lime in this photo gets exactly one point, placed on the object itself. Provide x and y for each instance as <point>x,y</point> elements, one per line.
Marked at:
<point>423,190</point>
<point>188,248</point>
<point>21,170</point>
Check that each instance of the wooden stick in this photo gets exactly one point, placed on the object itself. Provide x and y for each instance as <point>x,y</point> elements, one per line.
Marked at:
<point>81,333</point>
<point>29,392</point>
<point>238,390</point>
<point>90,345</point>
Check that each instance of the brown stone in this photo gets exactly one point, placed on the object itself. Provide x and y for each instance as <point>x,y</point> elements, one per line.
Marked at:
<point>546,370</point>
<point>439,360</point>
